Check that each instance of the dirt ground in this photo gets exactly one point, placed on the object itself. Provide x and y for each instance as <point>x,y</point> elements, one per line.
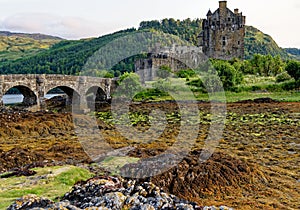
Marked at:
<point>255,165</point>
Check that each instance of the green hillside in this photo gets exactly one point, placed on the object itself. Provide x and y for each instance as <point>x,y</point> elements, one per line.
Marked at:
<point>68,57</point>
<point>18,45</point>
<point>65,57</point>
<point>293,52</point>
<point>256,42</point>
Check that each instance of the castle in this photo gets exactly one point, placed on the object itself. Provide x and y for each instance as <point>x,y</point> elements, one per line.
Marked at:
<point>223,33</point>
<point>222,37</point>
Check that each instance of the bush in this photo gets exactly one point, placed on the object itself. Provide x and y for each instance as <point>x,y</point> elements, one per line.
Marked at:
<point>186,73</point>
<point>164,72</point>
<point>284,76</point>
<point>229,76</point>
<point>196,83</point>
<point>291,85</point>
<point>293,69</point>
<point>129,85</point>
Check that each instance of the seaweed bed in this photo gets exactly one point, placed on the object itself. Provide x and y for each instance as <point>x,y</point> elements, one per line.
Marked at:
<point>255,165</point>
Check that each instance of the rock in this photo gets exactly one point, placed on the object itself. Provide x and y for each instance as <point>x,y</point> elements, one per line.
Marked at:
<point>30,201</point>
<point>111,193</point>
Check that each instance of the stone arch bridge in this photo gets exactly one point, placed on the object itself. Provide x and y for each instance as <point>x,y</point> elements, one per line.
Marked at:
<point>34,87</point>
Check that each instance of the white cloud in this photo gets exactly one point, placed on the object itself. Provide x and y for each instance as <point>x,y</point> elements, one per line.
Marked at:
<point>66,27</point>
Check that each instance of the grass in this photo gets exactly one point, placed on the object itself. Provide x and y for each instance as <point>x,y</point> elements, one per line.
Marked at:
<point>252,87</point>
<point>114,164</point>
<point>284,96</point>
<point>51,182</point>
<point>250,80</point>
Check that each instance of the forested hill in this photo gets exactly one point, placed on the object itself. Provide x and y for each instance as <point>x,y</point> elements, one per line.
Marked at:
<point>256,42</point>
<point>68,57</point>
<point>65,57</point>
<point>186,29</point>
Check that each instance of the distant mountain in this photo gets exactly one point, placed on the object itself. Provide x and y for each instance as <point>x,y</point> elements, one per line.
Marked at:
<point>18,45</point>
<point>294,52</point>
<point>36,36</point>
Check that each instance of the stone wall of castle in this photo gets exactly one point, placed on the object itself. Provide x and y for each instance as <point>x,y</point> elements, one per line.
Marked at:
<point>223,33</point>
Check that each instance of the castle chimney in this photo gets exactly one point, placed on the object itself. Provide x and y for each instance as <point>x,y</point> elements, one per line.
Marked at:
<point>244,20</point>
<point>222,5</point>
<point>223,11</point>
<point>236,11</point>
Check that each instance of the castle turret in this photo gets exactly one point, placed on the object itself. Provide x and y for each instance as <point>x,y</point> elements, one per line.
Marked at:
<point>209,13</point>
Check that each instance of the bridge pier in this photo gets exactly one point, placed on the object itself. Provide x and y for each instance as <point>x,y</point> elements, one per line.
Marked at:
<point>30,101</point>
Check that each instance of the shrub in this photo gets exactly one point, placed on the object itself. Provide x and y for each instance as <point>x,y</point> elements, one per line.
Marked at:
<point>284,76</point>
<point>164,72</point>
<point>229,76</point>
<point>196,83</point>
<point>186,73</point>
<point>129,85</point>
<point>293,69</point>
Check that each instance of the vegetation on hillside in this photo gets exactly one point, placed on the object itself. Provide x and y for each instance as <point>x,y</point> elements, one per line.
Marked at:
<point>69,57</point>
<point>65,57</point>
<point>256,42</point>
<point>186,29</point>
<point>17,45</point>
<point>294,52</point>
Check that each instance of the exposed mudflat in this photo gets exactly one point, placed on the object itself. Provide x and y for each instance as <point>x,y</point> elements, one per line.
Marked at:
<point>255,165</point>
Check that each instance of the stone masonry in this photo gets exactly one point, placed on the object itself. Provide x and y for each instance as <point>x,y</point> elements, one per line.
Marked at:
<point>223,33</point>
<point>35,87</point>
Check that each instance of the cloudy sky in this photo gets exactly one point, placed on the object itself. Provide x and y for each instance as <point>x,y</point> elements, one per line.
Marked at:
<point>74,19</point>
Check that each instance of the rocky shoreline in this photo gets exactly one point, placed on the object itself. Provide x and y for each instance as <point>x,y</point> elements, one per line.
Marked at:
<point>112,193</point>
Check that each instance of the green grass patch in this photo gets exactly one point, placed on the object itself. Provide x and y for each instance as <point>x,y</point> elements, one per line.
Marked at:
<point>51,182</point>
<point>283,96</point>
<point>114,164</point>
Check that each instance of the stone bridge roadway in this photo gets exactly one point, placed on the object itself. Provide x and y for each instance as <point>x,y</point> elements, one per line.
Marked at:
<point>35,86</point>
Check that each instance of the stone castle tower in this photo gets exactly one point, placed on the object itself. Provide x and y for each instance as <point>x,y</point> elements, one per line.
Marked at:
<point>223,33</point>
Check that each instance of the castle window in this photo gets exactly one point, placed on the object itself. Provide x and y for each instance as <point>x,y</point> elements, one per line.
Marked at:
<point>224,40</point>
<point>239,42</point>
<point>229,19</point>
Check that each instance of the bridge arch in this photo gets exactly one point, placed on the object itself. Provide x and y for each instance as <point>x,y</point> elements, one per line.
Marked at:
<point>30,97</point>
<point>72,95</point>
<point>95,96</point>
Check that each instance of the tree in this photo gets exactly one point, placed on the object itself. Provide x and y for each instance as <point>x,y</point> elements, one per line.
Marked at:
<point>293,68</point>
<point>129,85</point>
<point>229,76</point>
